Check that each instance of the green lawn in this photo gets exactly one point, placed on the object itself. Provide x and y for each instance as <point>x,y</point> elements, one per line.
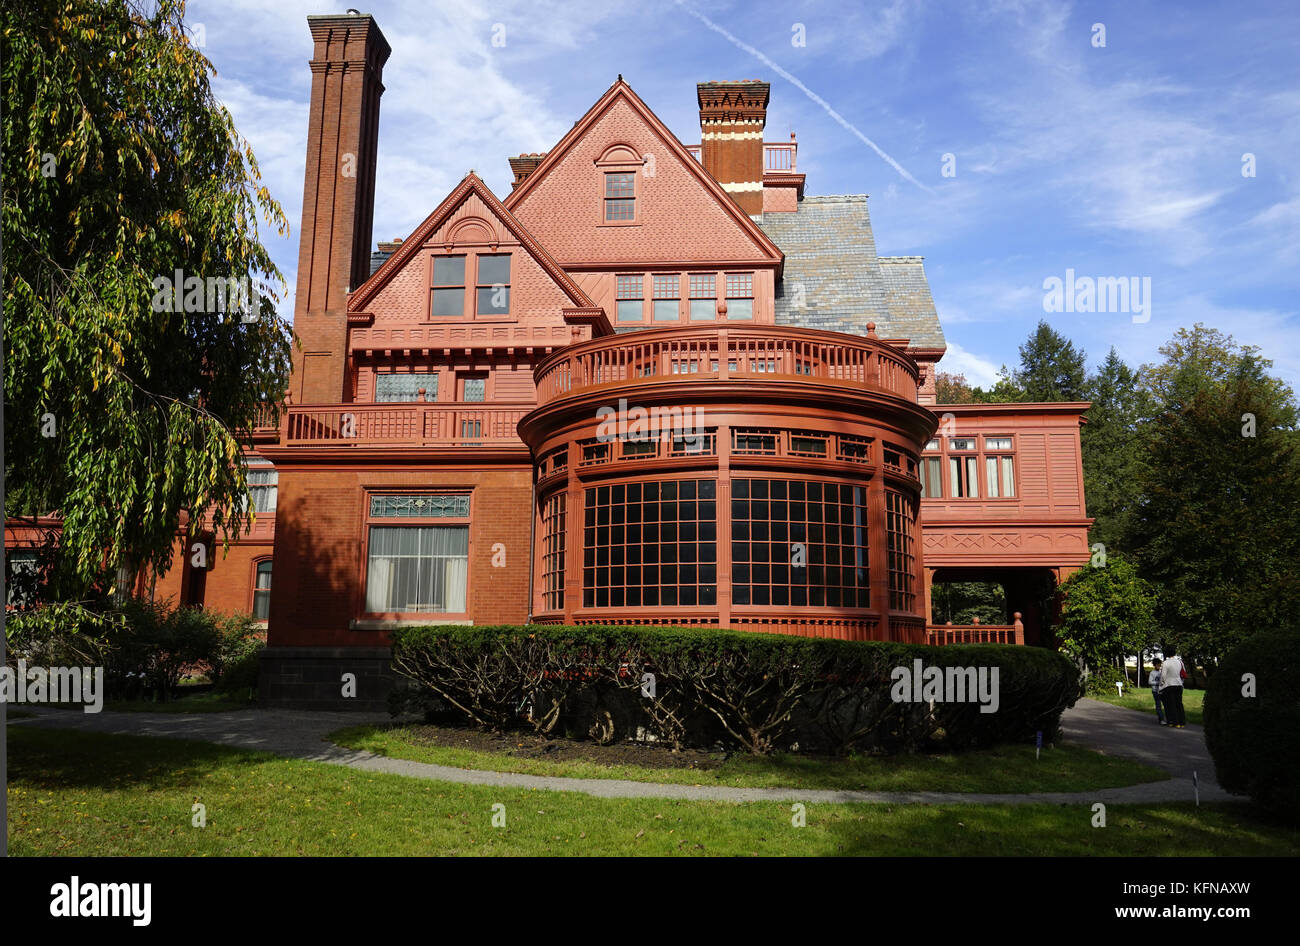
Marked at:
<point>1140,699</point>
<point>82,794</point>
<point>1002,769</point>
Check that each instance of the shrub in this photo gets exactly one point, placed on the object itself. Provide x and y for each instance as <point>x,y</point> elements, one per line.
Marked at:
<point>754,691</point>
<point>154,647</point>
<point>1255,740</point>
<point>239,643</point>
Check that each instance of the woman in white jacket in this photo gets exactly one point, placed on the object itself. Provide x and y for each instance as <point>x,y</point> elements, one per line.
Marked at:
<point>1171,691</point>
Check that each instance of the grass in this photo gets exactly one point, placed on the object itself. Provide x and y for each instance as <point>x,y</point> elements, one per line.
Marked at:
<point>81,794</point>
<point>1140,699</point>
<point>1002,769</point>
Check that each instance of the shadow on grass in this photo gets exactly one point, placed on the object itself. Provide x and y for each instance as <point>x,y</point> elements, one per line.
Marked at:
<point>61,758</point>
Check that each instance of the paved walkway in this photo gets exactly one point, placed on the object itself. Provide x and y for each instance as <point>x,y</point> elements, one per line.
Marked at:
<point>300,735</point>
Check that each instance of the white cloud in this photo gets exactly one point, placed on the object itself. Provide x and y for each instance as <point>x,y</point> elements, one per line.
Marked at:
<point>977,370</point>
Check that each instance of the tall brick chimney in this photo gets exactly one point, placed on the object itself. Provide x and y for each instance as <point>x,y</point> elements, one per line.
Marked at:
<point>732,116</point>
<point>338,200</point>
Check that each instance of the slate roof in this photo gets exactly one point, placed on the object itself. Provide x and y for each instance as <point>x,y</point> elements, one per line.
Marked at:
<point>835,281</point>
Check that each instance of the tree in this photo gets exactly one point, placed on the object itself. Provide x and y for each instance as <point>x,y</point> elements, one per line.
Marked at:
<point>125,403</point>
<point>1110,441</point>
<point>952,388</point>
<point>1217,524</point>
<point>1107,612</point>
<point>1051,368</point>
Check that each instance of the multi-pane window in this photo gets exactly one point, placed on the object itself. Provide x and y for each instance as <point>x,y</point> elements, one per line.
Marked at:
<point>263,485</point>
<point>740,295</point>
<point>932,477</point>
<point>801,544</point>
<point>448,286</point>
<point>963,477</point>
<point>997,443</point>
<point>704,296</point>
<point>857,449</point>
<point>900,520</point>
<point>421,565</point>
<point>753,442</point>
<point>808,445</point>
<point>667,291</point>
<point>553,537</point>
<point>473,388</point>
<point>999,474</point>
<point>620,195</point>
<point>651,544</point>
<point>392,388</point>
<point>643,449</point>
<point>686,443</point>
<point>493,284</point>
<point>21,569</point>
<point>631,291</point>
<point>262,591</point>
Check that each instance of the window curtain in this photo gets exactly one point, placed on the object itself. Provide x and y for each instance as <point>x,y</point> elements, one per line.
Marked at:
<point>415,569</point>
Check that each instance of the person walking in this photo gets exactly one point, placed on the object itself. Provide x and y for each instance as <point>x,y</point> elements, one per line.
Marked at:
<point>1171,691</point>
<point>1154,681</point>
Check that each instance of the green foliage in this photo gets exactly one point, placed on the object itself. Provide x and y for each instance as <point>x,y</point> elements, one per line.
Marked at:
<point>1111,441</point>
<point>155,647</point>
<point>1051,368</point>
<point>1255,740</point>
<point>1217,524</point>
<point>239,642</point>
<point>120,167</point>
<point>757,692</point>
<point>1108,612</point>
<point>962,601</point>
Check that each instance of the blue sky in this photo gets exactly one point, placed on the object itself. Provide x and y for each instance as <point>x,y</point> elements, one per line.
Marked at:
<point>1117,161</point>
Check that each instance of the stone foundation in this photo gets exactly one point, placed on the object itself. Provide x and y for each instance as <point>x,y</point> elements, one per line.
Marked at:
<point>311,678</point>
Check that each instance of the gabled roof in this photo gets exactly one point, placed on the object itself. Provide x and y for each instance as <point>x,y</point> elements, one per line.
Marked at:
<point>471,184</point>
<point>835,281</point>
<point>621,91</point>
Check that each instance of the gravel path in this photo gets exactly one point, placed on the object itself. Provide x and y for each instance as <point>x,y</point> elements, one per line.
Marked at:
<point>300,735</point>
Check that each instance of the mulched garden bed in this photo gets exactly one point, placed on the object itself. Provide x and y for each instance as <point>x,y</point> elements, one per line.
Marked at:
<point>525,745</point>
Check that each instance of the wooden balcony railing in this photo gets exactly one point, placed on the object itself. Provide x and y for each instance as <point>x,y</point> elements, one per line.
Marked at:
<point>450,424</point>
<point>977,633</point>
<point>732,352</point>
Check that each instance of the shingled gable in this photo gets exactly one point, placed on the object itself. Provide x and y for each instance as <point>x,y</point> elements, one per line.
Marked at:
<point>583,309</point>
<point>620,91</point>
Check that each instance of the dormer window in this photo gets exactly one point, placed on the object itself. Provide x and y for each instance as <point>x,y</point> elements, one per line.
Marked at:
<point>451,275</point>
<point>620,196</point>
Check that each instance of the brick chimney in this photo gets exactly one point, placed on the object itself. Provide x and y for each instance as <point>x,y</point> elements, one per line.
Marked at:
<point>523,165</point>
<point>732,116</point>
<point>338,201</point>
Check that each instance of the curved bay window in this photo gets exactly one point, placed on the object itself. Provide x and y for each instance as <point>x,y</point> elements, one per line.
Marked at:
<point>900,528</point>
<point>650,544</point>
<point>553,544</point>
<point>799,543</point>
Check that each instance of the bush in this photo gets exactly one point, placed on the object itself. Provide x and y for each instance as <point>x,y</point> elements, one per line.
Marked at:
<point>754,691</point>
<point>1255,740</point>
<point>239,644</point>
<point>153,648</point>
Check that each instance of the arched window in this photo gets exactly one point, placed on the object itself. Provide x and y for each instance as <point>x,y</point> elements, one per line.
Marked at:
<point>262,591</point>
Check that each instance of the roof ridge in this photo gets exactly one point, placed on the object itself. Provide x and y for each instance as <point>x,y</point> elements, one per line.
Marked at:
<point>837,198</point>
<point>900,259</point>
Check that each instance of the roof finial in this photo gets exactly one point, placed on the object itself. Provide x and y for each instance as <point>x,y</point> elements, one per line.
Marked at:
<point>620,77</point>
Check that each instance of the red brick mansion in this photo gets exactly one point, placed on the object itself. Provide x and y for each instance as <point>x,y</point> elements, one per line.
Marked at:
<point>656,383</point>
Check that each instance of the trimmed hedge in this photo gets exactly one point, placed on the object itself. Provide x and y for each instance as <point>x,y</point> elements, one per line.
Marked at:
<point>1255,740</point>
<point>753,691</point>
